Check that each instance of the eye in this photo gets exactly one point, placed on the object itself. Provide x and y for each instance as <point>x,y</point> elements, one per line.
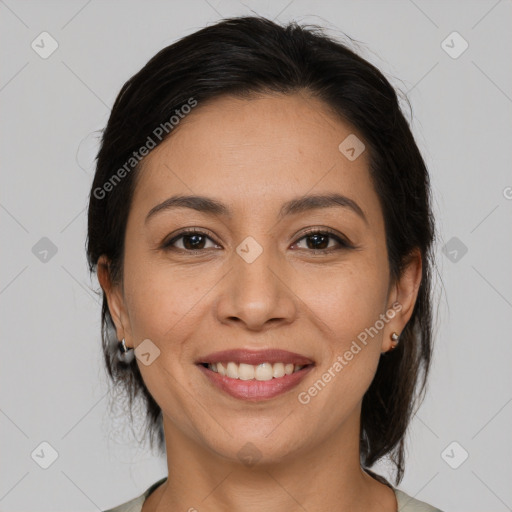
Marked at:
<point>191,240</point>
<point>318,240</point>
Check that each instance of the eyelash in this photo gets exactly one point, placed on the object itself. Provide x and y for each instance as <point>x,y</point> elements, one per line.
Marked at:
<point>344,244</point>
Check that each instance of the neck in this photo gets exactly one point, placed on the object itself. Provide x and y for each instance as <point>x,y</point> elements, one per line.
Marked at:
<point>325,476</point>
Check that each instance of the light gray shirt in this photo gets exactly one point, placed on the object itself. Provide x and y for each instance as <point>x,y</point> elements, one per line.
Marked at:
<point>405,502</point>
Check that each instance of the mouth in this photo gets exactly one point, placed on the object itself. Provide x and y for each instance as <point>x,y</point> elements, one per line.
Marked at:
<point>255,375</point>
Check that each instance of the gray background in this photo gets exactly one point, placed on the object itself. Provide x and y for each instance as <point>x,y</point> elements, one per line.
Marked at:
<point>53,385</point>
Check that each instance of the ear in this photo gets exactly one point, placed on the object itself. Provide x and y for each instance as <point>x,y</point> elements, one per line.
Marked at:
<point>402,297</point>
<point>115,300</point>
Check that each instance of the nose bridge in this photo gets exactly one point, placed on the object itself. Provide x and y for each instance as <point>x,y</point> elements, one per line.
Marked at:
<point>255,292</point>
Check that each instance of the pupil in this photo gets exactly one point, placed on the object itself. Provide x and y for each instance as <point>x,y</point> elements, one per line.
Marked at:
<point>316,237</point>
<point>195,243</point>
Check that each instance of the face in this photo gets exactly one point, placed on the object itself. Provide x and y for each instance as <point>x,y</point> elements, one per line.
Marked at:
<point>268,269</point>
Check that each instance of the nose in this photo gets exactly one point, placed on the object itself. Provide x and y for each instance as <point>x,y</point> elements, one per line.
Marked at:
<point>257,294</point>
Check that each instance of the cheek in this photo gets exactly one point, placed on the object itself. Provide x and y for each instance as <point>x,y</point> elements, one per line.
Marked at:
<point>346,306</point>
<point>161,302</point>
<point>165,305</point>
<point>167,302</point>
<point>347,299</point>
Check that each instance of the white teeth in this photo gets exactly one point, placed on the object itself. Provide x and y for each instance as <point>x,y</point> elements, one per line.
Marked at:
<point>232,370</point>
<point>278,370</point>
<point>245,371</point>
<point>263,371</point>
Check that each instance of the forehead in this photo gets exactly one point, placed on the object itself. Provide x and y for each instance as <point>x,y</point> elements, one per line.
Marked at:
<point>244,150</point>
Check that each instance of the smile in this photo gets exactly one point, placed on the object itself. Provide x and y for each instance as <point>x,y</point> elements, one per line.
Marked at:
<point>255,375</point>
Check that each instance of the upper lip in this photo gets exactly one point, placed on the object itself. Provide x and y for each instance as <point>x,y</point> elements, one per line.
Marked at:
<point>256,357</point>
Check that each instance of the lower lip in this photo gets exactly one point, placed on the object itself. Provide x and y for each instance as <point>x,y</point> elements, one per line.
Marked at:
<point>255,390</point>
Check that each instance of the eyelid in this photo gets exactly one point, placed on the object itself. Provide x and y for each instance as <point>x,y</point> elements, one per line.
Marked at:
<point>323,230</point>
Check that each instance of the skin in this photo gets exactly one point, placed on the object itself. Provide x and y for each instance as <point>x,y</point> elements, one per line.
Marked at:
<point>253,155</point>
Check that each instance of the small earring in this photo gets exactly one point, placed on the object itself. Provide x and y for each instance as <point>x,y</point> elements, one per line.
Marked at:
<point>125,354</point>
<point>394,343</point>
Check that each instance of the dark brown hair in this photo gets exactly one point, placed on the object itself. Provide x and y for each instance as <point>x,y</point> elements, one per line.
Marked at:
<point>246,55</point>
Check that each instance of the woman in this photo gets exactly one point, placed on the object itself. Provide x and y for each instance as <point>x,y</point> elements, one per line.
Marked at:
<point>261,228</point>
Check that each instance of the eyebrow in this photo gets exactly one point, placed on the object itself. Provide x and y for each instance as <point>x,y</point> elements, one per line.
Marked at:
<point>298,205</point>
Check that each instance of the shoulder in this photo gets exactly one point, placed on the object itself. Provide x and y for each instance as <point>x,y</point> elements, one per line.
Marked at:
<point>407,503</point>
<point>135,505</point>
